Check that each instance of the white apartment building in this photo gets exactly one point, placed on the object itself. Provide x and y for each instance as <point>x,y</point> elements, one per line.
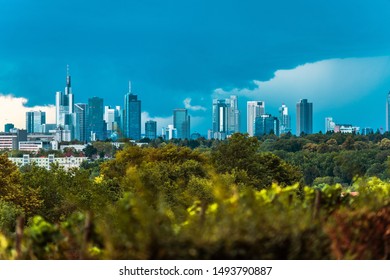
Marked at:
<point>65,162</point>
<point>30,146</point>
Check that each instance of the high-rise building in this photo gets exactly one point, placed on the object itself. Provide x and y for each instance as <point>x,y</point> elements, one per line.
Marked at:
<point>64,102</point>
<point>169,132</point>
<point>65,107</point>
<point>304,117</point>
<point>151,129</point>
<point>266,124</point>
<point>329,124</point>
<point>220,119</point>
<point>34,121</point>
<point>388,112</point>
<point>181,121</point>
<point>119,120</point>
<point>80,110</point>
<point>112,119</point>
<point>8,127</point>
<point>233,115</point>
<point>132,116</point>
<point>96,126</point>
<point>284,120</point>
<point>226,117</point>
<point>254,110</point>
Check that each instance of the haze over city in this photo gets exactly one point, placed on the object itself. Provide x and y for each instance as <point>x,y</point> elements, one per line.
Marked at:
<point>183,54</point>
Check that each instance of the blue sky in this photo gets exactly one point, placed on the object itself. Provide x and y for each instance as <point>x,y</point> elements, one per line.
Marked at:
<point>177,53</point>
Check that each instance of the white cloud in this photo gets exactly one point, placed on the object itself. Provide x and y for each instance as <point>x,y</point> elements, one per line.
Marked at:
<point>161,121</point>
<point>13,110</point>
<point>187,105</point>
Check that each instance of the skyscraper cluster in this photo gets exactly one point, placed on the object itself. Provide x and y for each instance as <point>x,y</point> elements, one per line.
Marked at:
<point>93,121</point>
<point>260,123</point>
<point>226,117</point>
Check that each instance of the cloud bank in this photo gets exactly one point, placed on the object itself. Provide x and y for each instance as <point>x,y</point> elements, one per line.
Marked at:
<point>327,83</point>
<point>188,106</point>
<point>13,110</point>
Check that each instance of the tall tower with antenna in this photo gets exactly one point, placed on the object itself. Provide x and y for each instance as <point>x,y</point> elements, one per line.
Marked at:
<point>132,116</point>
<point>65,118</point>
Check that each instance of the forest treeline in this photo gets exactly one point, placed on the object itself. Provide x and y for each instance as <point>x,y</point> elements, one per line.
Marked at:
<point>310,197</point>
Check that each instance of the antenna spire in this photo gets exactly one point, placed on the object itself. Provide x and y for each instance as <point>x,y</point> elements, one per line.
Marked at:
<point>129,86</point>
<point>68,81</point>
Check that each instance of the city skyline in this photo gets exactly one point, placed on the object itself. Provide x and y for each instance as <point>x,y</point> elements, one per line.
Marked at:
<point>186,54</point>
<point>77,125</point>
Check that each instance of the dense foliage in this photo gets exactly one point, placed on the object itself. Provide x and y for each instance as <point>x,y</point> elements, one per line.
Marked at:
<point>311,197</point>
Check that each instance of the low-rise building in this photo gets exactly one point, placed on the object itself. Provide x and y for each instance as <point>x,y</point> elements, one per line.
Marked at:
<point>30,146</point>
<point>65,162</point>
<point>346,128</point>
<point>10,141</point>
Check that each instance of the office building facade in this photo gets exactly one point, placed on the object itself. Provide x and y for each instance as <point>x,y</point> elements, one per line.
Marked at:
<point>181,121</point>
<point>80,111</point>
<point>151,130</point>
<point>132,116</point>
<point>233,115</point>
<point>304,117</point>
<point>96,126</point>
<point>284,120</point>
<point>225,118</point>
<point>254,109</point>
<point>34,121</point>
<point>112,119</point>
<point>266,124</point>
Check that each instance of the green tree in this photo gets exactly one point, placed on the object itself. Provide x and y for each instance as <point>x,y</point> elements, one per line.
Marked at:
<point>240,155</point>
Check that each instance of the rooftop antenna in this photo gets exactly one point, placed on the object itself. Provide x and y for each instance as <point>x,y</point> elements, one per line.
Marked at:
<point>129,86</point>
<point>67,77</point>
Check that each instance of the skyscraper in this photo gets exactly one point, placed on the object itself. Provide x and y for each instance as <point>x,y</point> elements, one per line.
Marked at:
<point>64,102</point>
<point>96,126</point>
<point>304,117</point>
<point>226,117</point>
<point>151,129</point>
<point>329,124</point>
<point>65,118</point>
<point>233,115</point>
<point>112,119</point>
<point>34,121</point>
<point>132,116</point>
<point>284,120</point>
<point>266,124</point>
<point>181,121</point>
<point>220,119</point>
<point>388,112</point>
<point>254,110</point>
<point>80,110</point>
